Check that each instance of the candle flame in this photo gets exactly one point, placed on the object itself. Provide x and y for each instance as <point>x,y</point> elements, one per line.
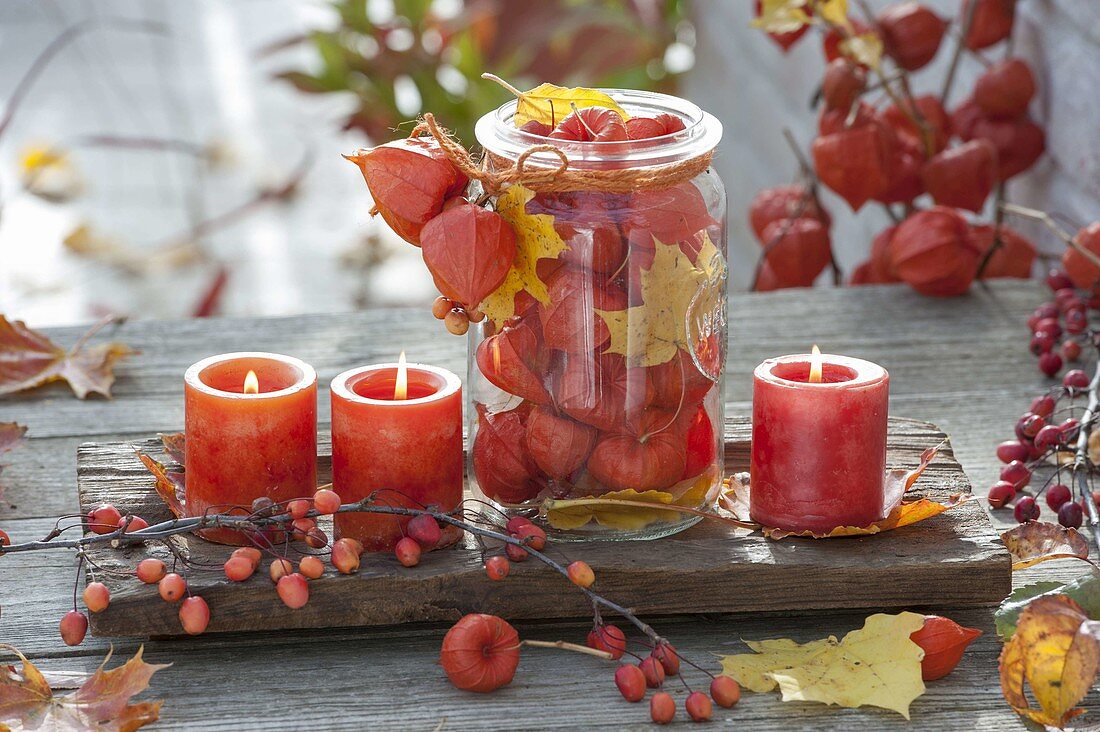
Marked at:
<point>815,365</point>
<point>401,388</point>
<point>251,383</point>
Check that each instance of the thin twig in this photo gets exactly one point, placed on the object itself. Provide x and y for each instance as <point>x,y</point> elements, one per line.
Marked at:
<point>1049,221</point>
<point>1081,462</point>
<point>949,80</point>
<point>567,646</point>
<point>55,46</point>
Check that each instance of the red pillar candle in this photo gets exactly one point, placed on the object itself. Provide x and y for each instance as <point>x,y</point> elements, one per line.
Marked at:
<point>251,422</point>
<point>818,446</point>
<point>406,449</point>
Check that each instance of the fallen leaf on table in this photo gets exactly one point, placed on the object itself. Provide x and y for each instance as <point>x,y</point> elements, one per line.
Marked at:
<point>1056,651</point>
<point>877,665</point>
<point>550,104</point>
<point>29,359</point>
<point>102,701</point>
<point>11,437</point>
<point>535,239</point>
<point>1041,541</point>
<point>735,499</point>
<point>1084,590</point>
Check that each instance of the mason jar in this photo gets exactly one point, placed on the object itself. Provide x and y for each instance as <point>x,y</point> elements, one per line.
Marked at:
<point>597,405</point>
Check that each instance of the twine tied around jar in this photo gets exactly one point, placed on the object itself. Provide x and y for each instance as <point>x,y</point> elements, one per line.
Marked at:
<point>562,178</point>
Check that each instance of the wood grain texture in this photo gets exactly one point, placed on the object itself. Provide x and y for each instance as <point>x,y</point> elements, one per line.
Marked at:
<point>952,560</point>
<point>960,362</point>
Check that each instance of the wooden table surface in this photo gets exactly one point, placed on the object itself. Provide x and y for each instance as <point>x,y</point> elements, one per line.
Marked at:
<point>961,363</point>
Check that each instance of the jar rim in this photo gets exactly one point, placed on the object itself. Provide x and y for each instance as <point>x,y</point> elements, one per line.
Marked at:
<point>496,133</point>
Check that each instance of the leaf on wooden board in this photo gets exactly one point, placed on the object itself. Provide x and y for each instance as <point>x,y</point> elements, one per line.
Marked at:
<point>29,359</point>
<point>1084,590</point>
<point>550,104</point>
<point>1041,541</point>
<point>101,702</point>
<point>1056,652</point>
<point>174,445</point>
<point>654,332</point>
<point>735,499</point>
<point>169,483</point>
<point>535,239</point>
<point>877,665</point>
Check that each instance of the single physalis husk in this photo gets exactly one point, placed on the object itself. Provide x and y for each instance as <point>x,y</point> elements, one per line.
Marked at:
<point>469,250</point>
<point>1080,269</point>
<point>480,653</point>
<point>943,641</point>
<point>409,180</point>
<point>854,163</point>
<point>962,176</point>
<point>501,465</point>
<point>933,253</point>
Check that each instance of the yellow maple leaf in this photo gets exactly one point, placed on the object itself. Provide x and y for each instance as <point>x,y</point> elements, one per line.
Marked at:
<point>877,665</point>
<point>651,333</point>
<point>616,510</point>
<point>550,104</point>
<point>535,240</point>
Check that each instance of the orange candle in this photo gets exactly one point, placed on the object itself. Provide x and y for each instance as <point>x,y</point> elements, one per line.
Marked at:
<point>251,422</point>
<point>397,434</point>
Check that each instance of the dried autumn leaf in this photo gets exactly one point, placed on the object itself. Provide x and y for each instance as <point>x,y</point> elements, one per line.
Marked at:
<point>1084,590</point>
<point>29,359</point>
<point>102,702</point>
<point>735,499</point>
<point>865,49</point>
<point>1056,651</point>
<point>877,665</point>
<point>1040,541</point>
<point>170,483</point>
<point>550,104</point>
<point>654,332</point>
<point>535,239</point>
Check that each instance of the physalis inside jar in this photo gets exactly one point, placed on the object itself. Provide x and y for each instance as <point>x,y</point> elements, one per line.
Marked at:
<point>596,373</point>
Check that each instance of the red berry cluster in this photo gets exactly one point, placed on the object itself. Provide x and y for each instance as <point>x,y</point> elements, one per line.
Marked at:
<point>650,672</point>
<point>1059,328</point>
<point>900,150</point>
<point>1059,331</point>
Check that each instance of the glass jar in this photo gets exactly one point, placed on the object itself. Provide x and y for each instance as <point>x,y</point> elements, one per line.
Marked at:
<point>605,380</point>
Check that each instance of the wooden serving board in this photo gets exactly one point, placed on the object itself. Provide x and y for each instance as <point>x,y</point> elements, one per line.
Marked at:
<point>954,559</point>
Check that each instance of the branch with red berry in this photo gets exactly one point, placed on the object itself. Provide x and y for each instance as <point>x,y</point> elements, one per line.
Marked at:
<point>479,653</point>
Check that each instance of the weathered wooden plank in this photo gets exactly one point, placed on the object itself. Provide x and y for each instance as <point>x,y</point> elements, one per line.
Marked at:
<point>954,560</point>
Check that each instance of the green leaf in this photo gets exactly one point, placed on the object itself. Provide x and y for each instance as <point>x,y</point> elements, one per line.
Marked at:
<point>1085,591</point>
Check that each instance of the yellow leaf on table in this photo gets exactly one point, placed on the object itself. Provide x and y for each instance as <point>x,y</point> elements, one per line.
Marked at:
<point>652,333</point>
<point>610,510</point>
<point>865,48</point>
<point>877,665</point>
<point>550,104</point>
<point>1055,649</point>
<point>535,240</point>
